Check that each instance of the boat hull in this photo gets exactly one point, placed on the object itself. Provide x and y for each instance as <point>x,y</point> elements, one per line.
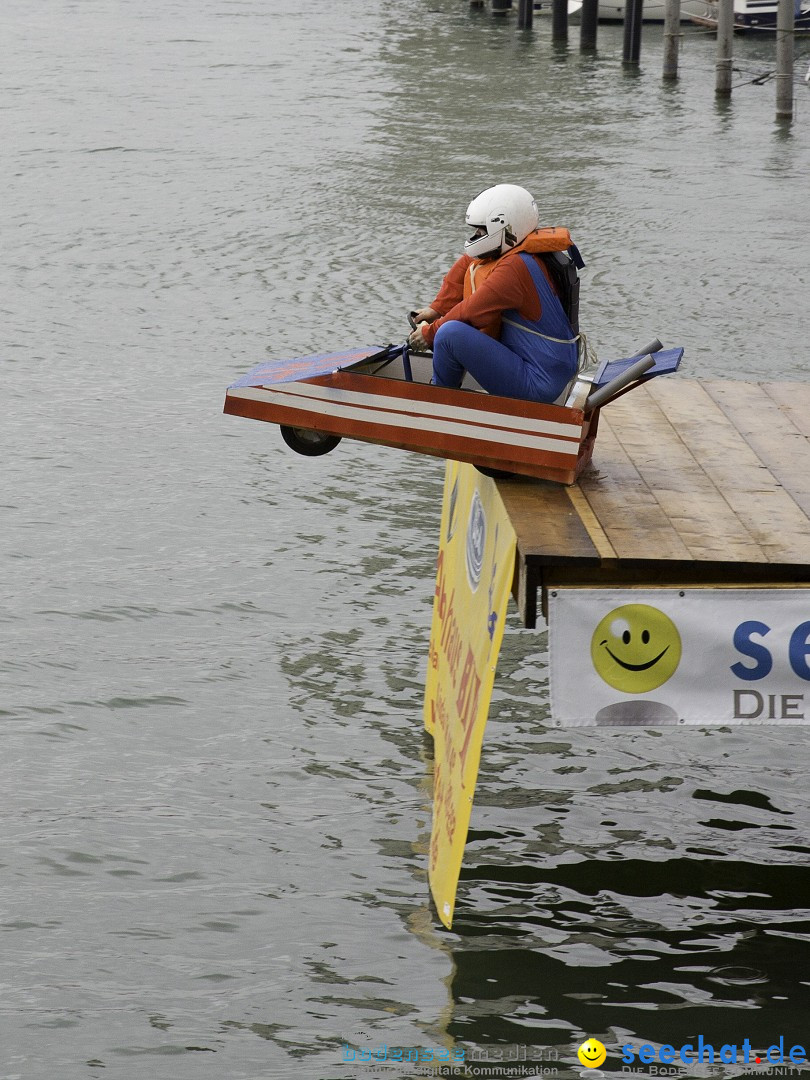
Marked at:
<point>653,11</point>
<point>613,10</point>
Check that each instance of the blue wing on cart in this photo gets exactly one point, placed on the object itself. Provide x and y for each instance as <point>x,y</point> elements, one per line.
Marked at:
<point>307,367</point>
<point>665,362</point>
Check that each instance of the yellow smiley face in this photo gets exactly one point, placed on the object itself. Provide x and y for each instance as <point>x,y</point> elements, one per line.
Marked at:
<point>592,1054</point>
<point>636,648</point>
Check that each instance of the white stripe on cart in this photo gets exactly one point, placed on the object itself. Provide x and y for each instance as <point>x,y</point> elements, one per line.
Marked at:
<point>489,427</point>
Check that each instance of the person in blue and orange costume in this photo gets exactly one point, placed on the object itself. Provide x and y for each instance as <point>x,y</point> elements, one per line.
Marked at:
<point>497,314</point>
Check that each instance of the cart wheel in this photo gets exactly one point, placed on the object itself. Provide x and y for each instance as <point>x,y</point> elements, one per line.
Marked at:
<point>307,442</point>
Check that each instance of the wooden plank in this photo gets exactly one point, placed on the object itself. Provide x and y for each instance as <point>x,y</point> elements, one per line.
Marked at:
<point>696,508</point>
<point>548,531</point>
<point>546,524</point>
<point>592,524</point>
<point>793,399</point>
<point>774,419</point>
<point>654,575</point>
<point>754,439</point>
<point>628,512</point>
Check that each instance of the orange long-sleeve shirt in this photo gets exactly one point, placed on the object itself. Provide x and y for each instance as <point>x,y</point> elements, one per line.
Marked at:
<point>509,286</point>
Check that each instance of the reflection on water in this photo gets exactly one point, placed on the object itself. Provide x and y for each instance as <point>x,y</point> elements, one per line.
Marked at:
<point>216,786</point>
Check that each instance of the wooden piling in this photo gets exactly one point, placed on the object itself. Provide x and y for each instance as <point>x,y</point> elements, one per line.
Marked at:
<point>525,14</point>
<point>559,20</point>
<point>588,20</point>
<point>633,13</point>
<point>784,59</point>
<point>672,38</point>
<point>725,49</point>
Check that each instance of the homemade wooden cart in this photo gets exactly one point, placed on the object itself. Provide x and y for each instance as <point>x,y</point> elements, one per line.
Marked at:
<point>384,395</point>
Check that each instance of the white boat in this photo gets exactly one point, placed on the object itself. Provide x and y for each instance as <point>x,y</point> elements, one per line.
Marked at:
<point>613,10</point>
<point>756,15</point>
<point>653,10</point>
<point>544,7</point>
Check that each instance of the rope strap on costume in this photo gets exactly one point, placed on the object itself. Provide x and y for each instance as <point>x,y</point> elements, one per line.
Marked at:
<point>586,355</point>
<point>546,337</point>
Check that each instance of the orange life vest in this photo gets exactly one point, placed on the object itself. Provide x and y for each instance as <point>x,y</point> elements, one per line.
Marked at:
<point>536,243</point>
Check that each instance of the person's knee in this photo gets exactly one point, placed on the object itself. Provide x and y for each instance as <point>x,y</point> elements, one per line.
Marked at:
<point>447,368</point>
<point>446,334</point>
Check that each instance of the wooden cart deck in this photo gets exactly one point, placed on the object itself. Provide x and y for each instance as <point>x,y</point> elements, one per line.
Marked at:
<point>693,482</point>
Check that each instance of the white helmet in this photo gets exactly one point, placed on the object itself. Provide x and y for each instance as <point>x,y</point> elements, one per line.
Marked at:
<point>502,217</point>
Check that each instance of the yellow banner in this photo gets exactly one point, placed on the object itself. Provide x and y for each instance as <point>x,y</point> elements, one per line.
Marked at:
<point>473,580</point>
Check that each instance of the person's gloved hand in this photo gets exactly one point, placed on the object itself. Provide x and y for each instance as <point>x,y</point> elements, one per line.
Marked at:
<point>416,342</point>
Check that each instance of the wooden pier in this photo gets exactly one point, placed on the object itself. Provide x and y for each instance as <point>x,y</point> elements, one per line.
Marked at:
<point>693,483</point>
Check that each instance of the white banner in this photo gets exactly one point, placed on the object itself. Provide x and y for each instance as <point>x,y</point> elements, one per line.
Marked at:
<point>653,657</point>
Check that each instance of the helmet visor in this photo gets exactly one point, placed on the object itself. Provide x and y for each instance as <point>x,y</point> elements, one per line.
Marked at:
<point>482,242</point>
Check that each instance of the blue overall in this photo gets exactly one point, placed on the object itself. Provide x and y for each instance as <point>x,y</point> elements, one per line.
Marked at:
<point>524,363</point>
